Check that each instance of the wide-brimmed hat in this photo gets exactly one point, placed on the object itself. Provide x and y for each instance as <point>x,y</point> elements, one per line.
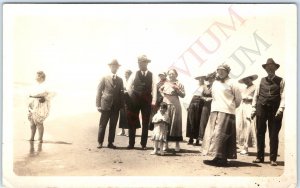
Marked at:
<point>270,61</point>
<point>252,77</point>
<point>199,77</point>
<point>211,75</point>
<point>143,58</point>
<point>224,67</point>
<point>162,73</point>
<point>114,62</point>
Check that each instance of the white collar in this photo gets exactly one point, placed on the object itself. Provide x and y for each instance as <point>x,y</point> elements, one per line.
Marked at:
<point>146,71</point>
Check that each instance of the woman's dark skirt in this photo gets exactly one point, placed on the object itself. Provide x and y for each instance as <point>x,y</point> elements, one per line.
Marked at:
<point>194,117</point>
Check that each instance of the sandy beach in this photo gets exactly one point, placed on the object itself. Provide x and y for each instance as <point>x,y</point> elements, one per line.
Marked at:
<point>70,149</point>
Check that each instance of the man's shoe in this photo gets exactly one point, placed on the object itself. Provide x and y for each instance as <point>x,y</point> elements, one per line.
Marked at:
<point>258,161</point>
<point>273,163</point>
<point>99,146</point>
<point>111,146</point>
<point>130,147</point>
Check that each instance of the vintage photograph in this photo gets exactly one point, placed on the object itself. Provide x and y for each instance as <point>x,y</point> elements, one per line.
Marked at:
<point>149,95</point>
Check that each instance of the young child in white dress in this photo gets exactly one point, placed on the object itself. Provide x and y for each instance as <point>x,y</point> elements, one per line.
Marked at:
<point>161,121</point>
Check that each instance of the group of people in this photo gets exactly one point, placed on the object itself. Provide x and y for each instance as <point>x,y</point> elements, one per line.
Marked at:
<point>236,116</point>
<point>213,119</point>
<point>158,104</point>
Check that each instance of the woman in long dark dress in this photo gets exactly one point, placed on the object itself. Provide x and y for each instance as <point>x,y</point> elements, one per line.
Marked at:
<point>207,98</point>
<point>123,122</point>
<point>194,113</point>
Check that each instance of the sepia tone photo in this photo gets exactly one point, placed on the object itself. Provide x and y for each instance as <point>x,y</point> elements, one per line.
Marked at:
<point>149,95</point>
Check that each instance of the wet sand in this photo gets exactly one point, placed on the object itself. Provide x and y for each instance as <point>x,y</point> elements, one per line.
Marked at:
<point>69,149</point>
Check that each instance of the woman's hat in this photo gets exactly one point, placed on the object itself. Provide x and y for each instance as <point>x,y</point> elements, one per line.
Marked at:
<point>224,67</point>
<point>270,61</point>
<point>199,77</point>
<point>143,58</point>
<point>114,62</point>
<point>162,73</point>
<point>211,75</point>
<point>252,77</point>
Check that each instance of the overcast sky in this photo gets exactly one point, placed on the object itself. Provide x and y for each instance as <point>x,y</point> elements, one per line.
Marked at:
<point>74,43</point>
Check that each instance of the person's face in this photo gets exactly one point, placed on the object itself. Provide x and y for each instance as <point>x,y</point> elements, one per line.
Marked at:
<point>114,68</point>
<point>210,80</point>
<point>222,73</point>
<point>39,78</point>
<point>270,69</point>
<point>162,110</point>
<point>172,75</point>
<point>162,77</point>
<point>143,65</point>
<point>127,75</point>
<point>201,81</point>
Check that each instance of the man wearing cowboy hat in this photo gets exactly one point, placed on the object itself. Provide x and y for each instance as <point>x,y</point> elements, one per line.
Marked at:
<point>109,100</point>
<point>141,88</point>
<point>268,105</point>
<point>245,125</point>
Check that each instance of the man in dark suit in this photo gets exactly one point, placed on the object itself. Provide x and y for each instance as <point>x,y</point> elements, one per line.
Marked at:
<point>141,88</point>
<point>268,105</point>
<point>109,100</point>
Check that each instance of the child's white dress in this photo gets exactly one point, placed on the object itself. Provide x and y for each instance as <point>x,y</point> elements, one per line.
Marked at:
<point>160,130</point>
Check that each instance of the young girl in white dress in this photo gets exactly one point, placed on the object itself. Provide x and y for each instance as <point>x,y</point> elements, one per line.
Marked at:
<point>161,121</point>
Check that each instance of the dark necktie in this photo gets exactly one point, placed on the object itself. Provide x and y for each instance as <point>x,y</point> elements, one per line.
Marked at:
<point>114,80</point>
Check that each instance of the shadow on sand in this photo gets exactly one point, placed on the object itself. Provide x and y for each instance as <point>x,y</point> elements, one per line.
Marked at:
<point>231,164</point>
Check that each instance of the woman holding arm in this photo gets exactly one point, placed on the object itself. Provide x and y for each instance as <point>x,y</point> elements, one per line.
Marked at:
<point>171,91</point>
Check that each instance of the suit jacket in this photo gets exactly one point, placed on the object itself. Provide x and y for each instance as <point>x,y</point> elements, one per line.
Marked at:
<point>109,94</point>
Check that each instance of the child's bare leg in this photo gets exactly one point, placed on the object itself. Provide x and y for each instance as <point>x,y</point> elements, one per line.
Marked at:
<point>155,148</point>
<point>161,148</point>
<point>166,146</point>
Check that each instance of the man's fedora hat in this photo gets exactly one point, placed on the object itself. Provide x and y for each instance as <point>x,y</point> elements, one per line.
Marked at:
<point>270,61</point>
<point>114,62</point>
<point>252,77</point>
<point>143,58</point>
